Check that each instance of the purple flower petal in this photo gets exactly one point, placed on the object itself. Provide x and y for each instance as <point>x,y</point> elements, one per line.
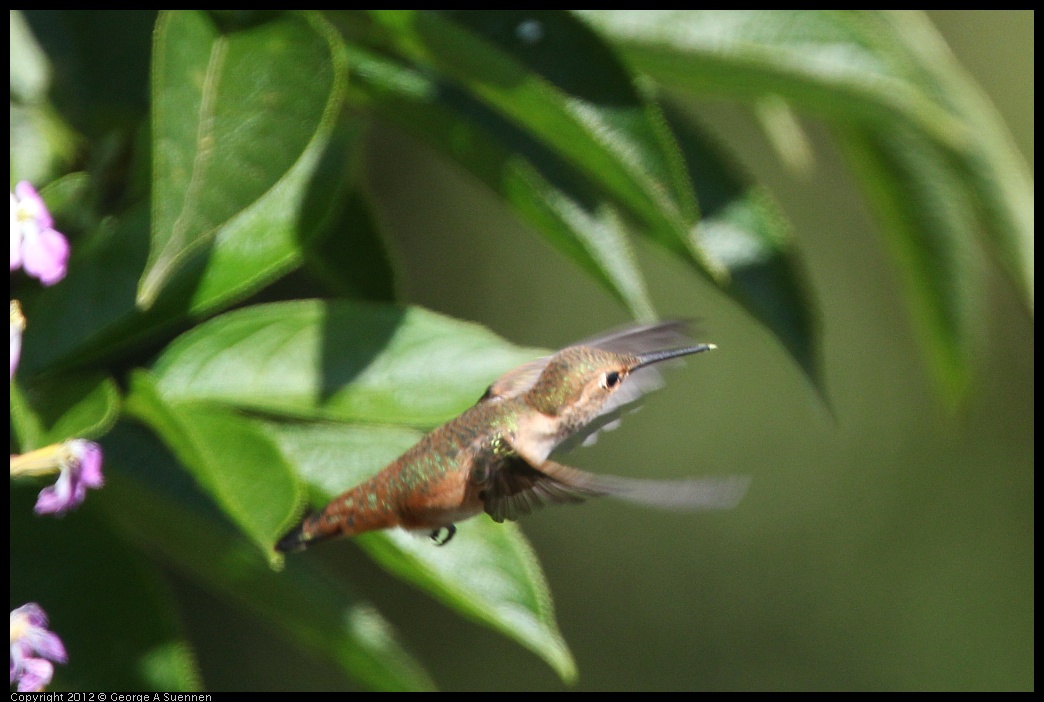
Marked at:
<point>33,613</point>
<point>45,256</point>
<point>36,674</point>
<point>29,199</point>
<point>81,470</point>
<point>57,498</point>
<point>35,244</point>
<point>90,464</point>
<point>33,647</point>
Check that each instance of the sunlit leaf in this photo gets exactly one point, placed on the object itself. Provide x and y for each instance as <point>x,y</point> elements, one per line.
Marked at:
<point>233,112</point>
<point>337,360</point>
<point>233,461</point>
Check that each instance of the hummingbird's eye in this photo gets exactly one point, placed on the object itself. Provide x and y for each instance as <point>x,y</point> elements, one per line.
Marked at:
<point>611,379</point>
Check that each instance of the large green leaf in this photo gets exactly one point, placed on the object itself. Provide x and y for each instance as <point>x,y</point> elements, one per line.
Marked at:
<point>549,74</point>
<point>233,461</point>
<point>337,360</point>
<point>93,313</point>
<point>233,112</point>
<point>488,572</point>
<point>149,504</point>
<point>108,604</point>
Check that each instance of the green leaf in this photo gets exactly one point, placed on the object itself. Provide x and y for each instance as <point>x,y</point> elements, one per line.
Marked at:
<point>42,145</point>
<point>30,67</point>
<point>819,60</point>
<point>927,145</point>
<point>337,360</point>
<point>73,406</point>
<point>489,573</point>
<point>152,508</point>
<point>108,604</point>
<point>566,88</point>
<point>574,215</point>
<point>991,165</point>
<point>231,458</point>
<point>930,227</point>
<point>233,112</point>
<point>93,314</point>
<point>744,230</point>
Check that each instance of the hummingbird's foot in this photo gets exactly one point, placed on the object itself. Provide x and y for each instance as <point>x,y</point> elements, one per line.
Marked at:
<point>450,531</point>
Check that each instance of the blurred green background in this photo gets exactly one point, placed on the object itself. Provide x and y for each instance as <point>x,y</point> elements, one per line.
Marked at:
<point>886,542</point>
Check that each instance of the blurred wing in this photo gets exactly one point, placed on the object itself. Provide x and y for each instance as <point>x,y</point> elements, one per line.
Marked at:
<point>516,381</point>
<point>517,487</point>
<point>643,338</point>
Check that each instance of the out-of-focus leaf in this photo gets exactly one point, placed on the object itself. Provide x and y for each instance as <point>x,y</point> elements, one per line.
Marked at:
<point>42,145</point>
<point>146,501</point>
<point>889,80</point>
<point>233,112</point>
<point>26,428</point>
<point>489,572</point>
<point>930,227</point>
<point>552,76</point>
<point>108,604</point>
<point>548,193</point>
<point>991,165</point>
<point>819,60</point>
<point>234,462</point>
<point>745,232</point>
<point>337,360</point>
<point>73,406</point>
<point>30,68</point>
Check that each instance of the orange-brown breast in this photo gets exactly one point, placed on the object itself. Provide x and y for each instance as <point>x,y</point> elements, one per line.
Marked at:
<point>447,499</point>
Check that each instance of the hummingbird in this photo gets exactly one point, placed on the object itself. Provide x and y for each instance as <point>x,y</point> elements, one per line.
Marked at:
<point>495,456</point>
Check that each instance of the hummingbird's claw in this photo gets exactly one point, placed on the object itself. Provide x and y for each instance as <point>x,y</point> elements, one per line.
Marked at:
<point>450,531</point>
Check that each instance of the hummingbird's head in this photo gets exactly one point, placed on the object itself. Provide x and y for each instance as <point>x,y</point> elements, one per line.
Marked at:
<point>582,384</point>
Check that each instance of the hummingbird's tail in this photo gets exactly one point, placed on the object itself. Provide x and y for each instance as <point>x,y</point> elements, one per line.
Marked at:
<point>301,536</point>
<point>351,513</point>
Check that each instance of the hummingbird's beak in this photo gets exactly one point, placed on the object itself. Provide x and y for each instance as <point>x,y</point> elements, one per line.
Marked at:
<point>645,359</point>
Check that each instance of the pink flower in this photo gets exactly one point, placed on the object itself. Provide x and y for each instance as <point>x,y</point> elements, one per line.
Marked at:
<point>35,244</point>
<point>33,647</point>
<point>81,469</point>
